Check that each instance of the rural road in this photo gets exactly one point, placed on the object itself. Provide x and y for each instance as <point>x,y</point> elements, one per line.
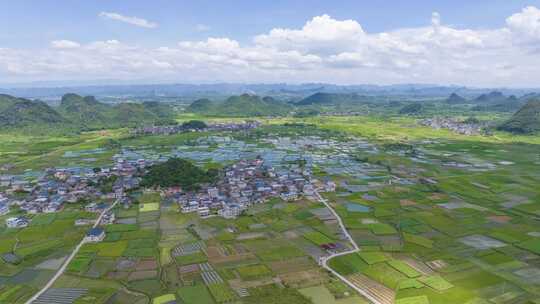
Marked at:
<point>324,260</point>
<point>68,260</point>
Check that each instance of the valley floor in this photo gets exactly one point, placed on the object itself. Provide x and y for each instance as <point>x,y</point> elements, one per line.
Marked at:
<point>437,217</point>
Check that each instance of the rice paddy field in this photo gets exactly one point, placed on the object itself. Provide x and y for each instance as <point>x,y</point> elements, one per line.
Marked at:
<point>454,219</point>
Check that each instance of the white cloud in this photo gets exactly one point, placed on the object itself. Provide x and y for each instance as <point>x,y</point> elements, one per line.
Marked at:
<point>202,28</point>
<point>324,49</point>
<point>322,34</point>
<point>64,44</point>
<point>527,22</point>
<point>127,19</point>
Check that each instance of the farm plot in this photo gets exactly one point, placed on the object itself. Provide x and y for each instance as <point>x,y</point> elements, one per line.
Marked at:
<point>373,257</point>
<point>300,279</point>
<point>321,295</point>
<point>436,282</point>
<point>197,294</point>
<point>222,293</point>
<point>481,242</point>
<point>377,291</point>
<point>61,295</point>
<point>404,268</point>
<point>274,250</point>
<point>149,202</point>
<point>318,238</point>
<point>195,258</point>
<point>188,249</point>
<point>413,300</point>
<point>533,245</point>
<point>164,299</point>
<point>251,272</point>
<point>292,265</point>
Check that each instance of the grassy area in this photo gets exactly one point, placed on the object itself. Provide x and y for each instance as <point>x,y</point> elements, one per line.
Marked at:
<point>221,293</point>
<point>373,257</point>
<point>436,282</point>
<point>197,294</point>
<point>318,238</point>
<point>191,259</point>
<point>404,268</point>
<point>164,299</point>
<point>251,272</point>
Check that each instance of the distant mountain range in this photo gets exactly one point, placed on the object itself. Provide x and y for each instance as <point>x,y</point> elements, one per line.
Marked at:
<point>223,90</point>
<point>78,112</point>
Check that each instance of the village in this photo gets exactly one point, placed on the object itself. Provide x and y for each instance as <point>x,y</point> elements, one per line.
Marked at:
<point>181,128</point>
<point>243,184</point>
<point>255,176</point>
<point>246,183</point>
<point>59,186</point>
<point>466,127</point>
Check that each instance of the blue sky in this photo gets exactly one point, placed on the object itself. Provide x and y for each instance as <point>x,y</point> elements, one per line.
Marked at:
<point>34,23</point>
<point>32,27</point>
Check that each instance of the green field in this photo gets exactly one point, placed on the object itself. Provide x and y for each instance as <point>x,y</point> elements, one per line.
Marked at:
<point>373,257</point>
<point>404,268</point>
<point>318,238</point>
<point>221,293</point>
<point>253,272</point>
<point>198,294</point>
<point>429,192</point>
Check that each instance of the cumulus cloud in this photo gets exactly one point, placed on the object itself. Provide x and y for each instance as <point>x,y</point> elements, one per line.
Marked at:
<point>324,49</point>
<point>322,34</point>
<point>64,44</point>
<point>526,23</point>
<point>129,20</point>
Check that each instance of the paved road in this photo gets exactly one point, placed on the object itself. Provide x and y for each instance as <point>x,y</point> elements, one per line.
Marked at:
<point>68,260</point>
<point>324,260</point>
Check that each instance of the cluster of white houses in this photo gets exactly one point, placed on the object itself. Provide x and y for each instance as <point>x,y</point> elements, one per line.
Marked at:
<point>455,125</point>
<point>241,185</point>
<point>246,183</point>
<point>56,187</point>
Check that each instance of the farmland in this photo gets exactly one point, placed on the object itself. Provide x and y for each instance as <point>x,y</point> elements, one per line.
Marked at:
<point>439,218</point>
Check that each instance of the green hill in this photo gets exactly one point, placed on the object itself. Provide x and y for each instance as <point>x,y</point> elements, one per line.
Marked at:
<point>23,113</point>
<point>79,113</point>
<point>252,105</point>
<point>127,114</point>
<point>160,109</point>
<point>492,97</point>
<point>241,106</point>
<point>496,101</point>
<point>178,172</point>
<point>526,120</point>
<point>201,106</point>
<point>455,99</point>
<point>86,111</point>
<point>92,114</point>
<point>7,101</point>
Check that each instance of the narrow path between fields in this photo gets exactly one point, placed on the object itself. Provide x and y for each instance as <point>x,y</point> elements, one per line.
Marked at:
<point>68,260</point>
<point>324,260</point>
